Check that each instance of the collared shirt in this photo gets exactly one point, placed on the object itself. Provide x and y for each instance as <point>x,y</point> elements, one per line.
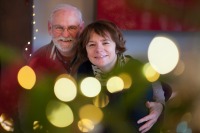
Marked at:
<point>49,59</point>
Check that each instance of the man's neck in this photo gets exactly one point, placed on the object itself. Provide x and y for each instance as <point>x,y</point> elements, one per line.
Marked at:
<point>68,54</point>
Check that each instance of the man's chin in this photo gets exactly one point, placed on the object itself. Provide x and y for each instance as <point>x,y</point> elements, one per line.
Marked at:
<point>66,47</point>
<point>65,50</point>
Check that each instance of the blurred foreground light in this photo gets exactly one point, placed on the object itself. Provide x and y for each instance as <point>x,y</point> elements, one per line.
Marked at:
<point>180,68</point>
<point>196,115</point>
<point>59,114</point>
<point>182,127</point>
<point>187,117</point>
<point>6,122</point>
<point>126,79</point>
<point>65,88</point>
<point>37,125</point>
<point>101,100</point>
<point>115,84</point>
<point>90,87</point>
<point>91,113</point>
<point>150,73</point>
<point>26,77</point>
<point>163,54</point>
<point>85,125</point>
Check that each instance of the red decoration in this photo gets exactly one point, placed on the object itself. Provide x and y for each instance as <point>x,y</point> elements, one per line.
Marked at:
<point>172,15</point>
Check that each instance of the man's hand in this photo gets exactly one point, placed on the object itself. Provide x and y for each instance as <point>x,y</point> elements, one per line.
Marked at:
<point>155,109</point>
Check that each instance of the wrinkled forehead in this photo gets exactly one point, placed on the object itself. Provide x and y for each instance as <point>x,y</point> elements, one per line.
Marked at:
<point>66,15</point>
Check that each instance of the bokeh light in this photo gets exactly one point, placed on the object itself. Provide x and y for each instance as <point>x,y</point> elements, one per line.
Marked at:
<point>66,76</point>
<point>90,87</point>
<point>126,79</point>
<point>180,68</point>
<point>163,54</point>
<point>85,125</point>
<point>150,73</point>
<point>101,100</point>
<point>6,122</point>
<point>115,84</point>
<point>196,115</point>
<point>182,127</point>
<point>59,114</point>
<point>91,112</point>
<point>65,88</point>
<point>26,77</point>
<point>187,117</point>
<point>37,125</point>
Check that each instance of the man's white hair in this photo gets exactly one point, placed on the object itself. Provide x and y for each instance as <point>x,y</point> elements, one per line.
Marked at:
<point>66,7</point>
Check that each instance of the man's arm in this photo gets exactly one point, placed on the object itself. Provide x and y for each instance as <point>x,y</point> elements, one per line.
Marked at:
<point>161,93</point>
<point>155,109</point>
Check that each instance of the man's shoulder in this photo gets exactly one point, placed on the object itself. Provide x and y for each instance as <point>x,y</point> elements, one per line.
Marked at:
<point>44,49</point>
<point>42,53</point>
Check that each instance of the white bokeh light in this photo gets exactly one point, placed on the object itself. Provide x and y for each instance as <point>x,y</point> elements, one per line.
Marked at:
<point>90,87</point>
<point>163,54</point>
<point>65,89</point>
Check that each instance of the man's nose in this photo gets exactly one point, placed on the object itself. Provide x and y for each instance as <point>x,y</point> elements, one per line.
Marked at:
<point>66,33</point>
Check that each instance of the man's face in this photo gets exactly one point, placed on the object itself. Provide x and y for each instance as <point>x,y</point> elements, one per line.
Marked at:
<point>65,28</point>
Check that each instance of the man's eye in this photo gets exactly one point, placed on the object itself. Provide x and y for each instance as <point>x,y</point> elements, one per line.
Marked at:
<point>59,28</point>
<point>72,28</point>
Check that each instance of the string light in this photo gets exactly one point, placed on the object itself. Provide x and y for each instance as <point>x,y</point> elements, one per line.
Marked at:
<point>36,30</point>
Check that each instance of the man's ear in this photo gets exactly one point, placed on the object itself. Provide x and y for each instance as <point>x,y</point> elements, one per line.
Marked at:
<point>82,25</point>
<point>49,28</point>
